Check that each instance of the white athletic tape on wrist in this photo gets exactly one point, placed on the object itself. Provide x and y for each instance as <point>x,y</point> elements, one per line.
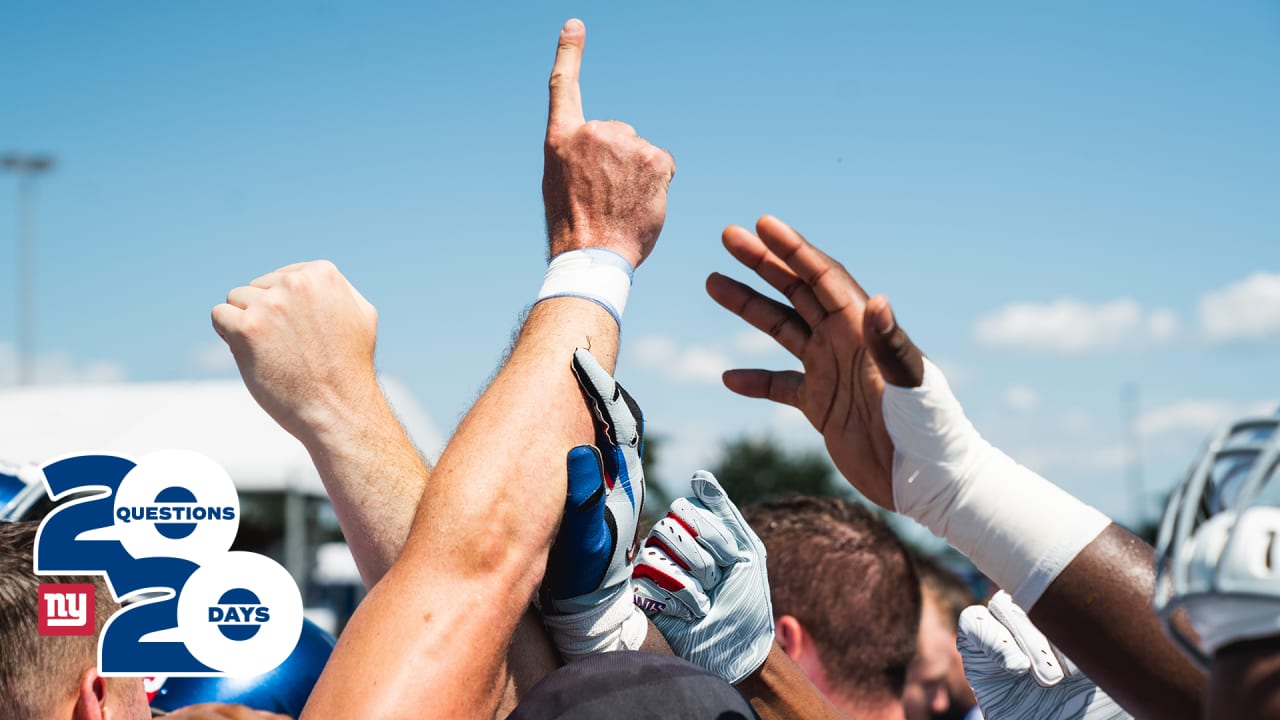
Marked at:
<point>596,274</point>
<point>1018,528</point>
<point>613,625</point>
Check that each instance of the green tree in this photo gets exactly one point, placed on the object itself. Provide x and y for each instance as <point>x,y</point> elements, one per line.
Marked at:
<point>756,467</point>
<point>656,500</point>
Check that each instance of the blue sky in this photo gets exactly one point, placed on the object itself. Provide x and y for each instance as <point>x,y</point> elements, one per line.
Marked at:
<point>1061,200</point>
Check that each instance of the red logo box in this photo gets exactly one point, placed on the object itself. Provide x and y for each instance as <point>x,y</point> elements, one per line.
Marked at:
<point>67,609</point>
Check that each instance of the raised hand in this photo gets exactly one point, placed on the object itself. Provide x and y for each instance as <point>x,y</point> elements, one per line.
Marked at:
<point>850,347</point>
<point>602,185</point>
<point>303,339</point>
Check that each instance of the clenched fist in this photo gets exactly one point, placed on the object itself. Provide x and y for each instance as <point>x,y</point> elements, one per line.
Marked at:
<point>603,185</point>
<point>303,338</point>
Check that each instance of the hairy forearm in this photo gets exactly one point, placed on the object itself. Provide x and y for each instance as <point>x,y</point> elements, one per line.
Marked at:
<point>1108,589</point>
<point>374,476</point>
<point>479,541</point>
<point>505,466</point>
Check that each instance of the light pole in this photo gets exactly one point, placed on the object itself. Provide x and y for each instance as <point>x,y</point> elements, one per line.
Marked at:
<point>27,167</point>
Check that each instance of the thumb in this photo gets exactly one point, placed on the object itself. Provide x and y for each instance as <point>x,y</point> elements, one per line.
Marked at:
<point>899,360</point>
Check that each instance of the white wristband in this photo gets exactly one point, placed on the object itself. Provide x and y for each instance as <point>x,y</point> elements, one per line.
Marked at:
<point>1018,528</point>
<point>596,274</point>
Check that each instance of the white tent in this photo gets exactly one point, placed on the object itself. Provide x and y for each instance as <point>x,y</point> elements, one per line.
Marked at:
<point>217,418</point>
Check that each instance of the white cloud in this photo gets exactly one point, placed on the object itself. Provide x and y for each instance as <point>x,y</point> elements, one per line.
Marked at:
<point>1068,326</point>
<point>754,342</point>
<point>1247,311</point>
<point>58,368</point>
<point>212,358</point>
<point>690,363</point>
<point>1162,325</point>
<point>1021,398</point>
<point>1196,417</point>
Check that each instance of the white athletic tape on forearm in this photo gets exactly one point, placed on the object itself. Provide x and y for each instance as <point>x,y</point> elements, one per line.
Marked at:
<point>1018,528</point>
<point>613,625</point>
<point>596,274</point>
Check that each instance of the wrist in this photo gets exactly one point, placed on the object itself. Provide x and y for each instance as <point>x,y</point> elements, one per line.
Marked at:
<point>340,420</point>
<point>1018,528</point>
<point>600,275</point>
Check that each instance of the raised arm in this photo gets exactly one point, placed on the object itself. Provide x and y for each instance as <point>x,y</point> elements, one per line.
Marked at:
<point>303,338</point>
<point>896,432</point>
<point>431,637</point>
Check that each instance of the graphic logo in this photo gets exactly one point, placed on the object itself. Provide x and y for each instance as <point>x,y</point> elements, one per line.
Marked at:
<point>160,531</point>
<point>66,609</point>
<point>239,614</point>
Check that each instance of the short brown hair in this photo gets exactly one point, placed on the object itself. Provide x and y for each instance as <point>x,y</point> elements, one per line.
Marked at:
<point>37,670</point>
<point>836,567</point>
<point>944,588</point>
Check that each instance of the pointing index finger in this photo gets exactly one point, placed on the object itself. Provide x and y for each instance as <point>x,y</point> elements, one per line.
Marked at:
<point>566,96</point>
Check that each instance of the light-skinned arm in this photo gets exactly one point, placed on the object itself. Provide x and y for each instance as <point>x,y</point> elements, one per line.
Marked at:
<point>303,338</point>
<point>431,638</point>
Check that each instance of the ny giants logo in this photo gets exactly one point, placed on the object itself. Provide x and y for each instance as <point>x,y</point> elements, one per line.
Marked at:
<point>66,609</point>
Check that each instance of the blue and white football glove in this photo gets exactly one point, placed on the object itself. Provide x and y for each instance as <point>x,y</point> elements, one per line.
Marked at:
<point>1017,674</point>
<point>703,581</point>
<point>586,595</point>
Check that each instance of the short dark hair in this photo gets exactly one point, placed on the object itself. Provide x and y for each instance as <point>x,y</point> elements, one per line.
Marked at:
<point>36,670</point>
<point>841,571</point>
<point>945,588</point>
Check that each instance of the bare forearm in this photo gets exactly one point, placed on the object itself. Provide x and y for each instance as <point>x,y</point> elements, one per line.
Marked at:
<point>374,476</point>
<point>480,538</point>
<point>1099,613</point>
<point>505,465</point>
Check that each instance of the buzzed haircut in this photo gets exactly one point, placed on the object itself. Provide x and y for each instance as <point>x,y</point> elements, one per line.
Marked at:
<point>947,590</point>
<point>841,571</point>
<point>36,671</point>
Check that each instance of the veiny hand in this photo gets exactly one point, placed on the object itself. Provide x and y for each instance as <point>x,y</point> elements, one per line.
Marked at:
<point>602,185</point>
<point>850,347</point>
<point>303,339</point>
<point>220,711</point>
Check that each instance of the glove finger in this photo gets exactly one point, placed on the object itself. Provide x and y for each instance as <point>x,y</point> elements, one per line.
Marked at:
<point>987,647</point>
<point>678,541</point>
<point>657,577</point>
<point>585,542</point>
<point>615,412</point>
<point>707,489</point>
<point>709,531</point>
<point>1046,667</point>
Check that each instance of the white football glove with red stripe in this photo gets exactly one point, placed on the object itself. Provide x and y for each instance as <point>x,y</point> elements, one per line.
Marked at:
<point>702,580</point>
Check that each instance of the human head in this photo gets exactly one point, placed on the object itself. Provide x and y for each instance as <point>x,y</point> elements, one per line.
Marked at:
<point>53,677</point>
<point>846,600</point>
<point>936,686</point>
<point>1218,581</point>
